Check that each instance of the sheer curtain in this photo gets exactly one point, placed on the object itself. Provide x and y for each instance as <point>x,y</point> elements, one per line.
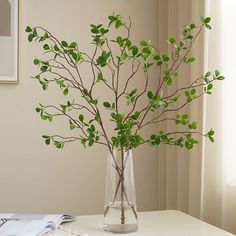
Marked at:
<point>197,182</point>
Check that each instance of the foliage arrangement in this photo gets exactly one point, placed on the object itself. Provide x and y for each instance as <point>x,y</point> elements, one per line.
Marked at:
<point>62,65</point>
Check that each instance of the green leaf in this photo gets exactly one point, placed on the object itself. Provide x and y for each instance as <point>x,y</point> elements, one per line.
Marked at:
<point>211,139</point>
<point>211,132</point>
<point>44,68</point>
<point>112,18</point>
<point>37,109</point>
<point>192,125</point>
<point>146,50</point>
<point>30,37</point>
<point>172,40</point>
<point>64,44</point>
<point>123,57</point>
<point>190,60</point>
<point>107,104</point>
<point>217,73</point>
<point>188,145</point>
<point>85,91</point>
<point>95,30</point>
<point>92,128</point>
<point>65,91</point>
<point>118,24</point>
<point>193,92</point>
<point>165,58</point>
<point>35,32</point>
<point>150,94</point>
<point>157,140</point>
<point>72,126</point>
<point>100,77</point>
<point>187,94</point>
<point>192,26</point>
<point>46,47</point>
<point>208,74</point>
<point>63,108</point>
<point>90,143</point>
<point>189,37</point>
<point>56,48</point>
<point>209,86</point>
<point>133,92</point>
<point>103,31</point>
<point>47,141</point>
<point>59,145</point>
<point>185,116</point>
<point>207,20</point>
<point>36,61</point>
<point>94,101</point>
<point>46,35</point>
<point>143,43</point>
<point>208,26</point>
<point>159,63</point>
<point>102,60</point>
<point>119,40</point>
<point>28,29</point>
<point>220,78</point>
<point>73,45</point>
<point>97,117</point>
<point>81,118</point>
<point>83,142</point>
<point>75,56</point>
<point>157,58</point>
<point>169,82</point>
<point>134,50</point>
<point>44,117</point>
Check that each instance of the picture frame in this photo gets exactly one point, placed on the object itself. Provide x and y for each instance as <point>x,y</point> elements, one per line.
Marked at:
<point>9,35</point>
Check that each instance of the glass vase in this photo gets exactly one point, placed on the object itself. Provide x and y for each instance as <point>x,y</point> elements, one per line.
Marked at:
<point>120,214</point>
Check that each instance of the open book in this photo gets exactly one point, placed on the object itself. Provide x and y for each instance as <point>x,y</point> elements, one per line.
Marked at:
<point>30,225</point>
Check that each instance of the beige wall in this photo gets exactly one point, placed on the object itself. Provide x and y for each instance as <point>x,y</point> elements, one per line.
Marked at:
<point>38,178</point>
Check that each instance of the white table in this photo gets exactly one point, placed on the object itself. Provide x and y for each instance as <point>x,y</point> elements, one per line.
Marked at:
<point>155,223</point>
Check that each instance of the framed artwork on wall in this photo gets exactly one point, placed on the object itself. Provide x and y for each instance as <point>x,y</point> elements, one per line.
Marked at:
<point>9,41</point>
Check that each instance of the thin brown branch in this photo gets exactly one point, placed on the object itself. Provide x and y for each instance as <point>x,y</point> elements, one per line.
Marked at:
<point>189,49</point>
<point>157,121</point>
<point>109,48</point>
<point>128,80</point>
<point>139,96</point>
<point>93,71</point>
<point>172,110</point>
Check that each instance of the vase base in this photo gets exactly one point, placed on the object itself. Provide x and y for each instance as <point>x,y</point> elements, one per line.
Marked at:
<point>121,229</point>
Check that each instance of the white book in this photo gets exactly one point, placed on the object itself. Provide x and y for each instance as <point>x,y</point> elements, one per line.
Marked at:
<point>30,225</point>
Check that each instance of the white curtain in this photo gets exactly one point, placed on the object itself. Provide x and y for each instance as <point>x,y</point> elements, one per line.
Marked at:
<point>194,182</point>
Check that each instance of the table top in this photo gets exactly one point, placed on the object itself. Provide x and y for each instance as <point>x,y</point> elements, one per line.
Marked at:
<point>155,223</point>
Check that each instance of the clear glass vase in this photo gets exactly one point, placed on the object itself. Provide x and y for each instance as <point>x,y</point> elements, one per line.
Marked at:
<point>120,214</point>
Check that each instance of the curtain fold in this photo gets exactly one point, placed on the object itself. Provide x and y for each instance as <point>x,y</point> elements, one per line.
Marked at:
<point>193,181</point>
<point>179,171</point>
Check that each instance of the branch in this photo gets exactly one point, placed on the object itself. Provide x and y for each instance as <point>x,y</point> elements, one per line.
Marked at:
<point>157,121</point>
<point>92,67</point>
<point>189,49</point>
<point>130,77</point>
<point>140,95</point>
<point>118,66</point>
<point>169,110</point>
<point>112,57</point>
<point>190,86</point>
